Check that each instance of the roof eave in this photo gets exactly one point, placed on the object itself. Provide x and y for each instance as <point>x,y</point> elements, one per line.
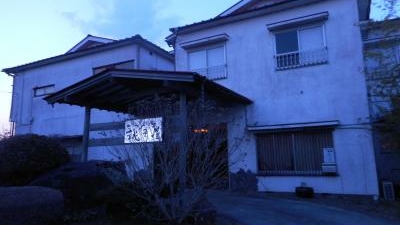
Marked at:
<point>137,39</point>
<point>245,15</point>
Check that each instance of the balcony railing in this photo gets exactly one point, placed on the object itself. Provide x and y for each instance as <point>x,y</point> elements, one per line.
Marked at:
<point>301,58</point>
<point>213,72</point>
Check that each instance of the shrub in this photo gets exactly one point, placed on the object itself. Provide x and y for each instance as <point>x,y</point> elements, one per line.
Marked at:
<point>24,157</point>
<point>243,182</point>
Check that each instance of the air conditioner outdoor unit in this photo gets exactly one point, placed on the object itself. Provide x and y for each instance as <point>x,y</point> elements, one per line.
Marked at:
<point>388,191</point>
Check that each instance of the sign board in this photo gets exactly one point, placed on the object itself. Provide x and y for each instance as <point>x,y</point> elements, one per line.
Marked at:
<point>143,130</point>
<point>329,155</point>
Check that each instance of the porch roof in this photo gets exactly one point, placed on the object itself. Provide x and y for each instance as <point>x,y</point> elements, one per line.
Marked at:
<point>117,89</point>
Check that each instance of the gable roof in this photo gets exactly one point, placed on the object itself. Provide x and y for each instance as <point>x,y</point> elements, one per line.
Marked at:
<point>90,41</point>
<point>116,89</point>
<point>245,5</point>
<point>137,39</point>
<point>364,9</point>
<point>235,7</point>
<point>245,9</point>
<point>277,6</point>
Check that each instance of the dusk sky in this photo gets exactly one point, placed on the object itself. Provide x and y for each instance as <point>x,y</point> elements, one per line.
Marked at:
<point>33,30</point>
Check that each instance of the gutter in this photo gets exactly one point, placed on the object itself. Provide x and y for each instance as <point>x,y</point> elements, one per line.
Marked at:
<point>8,73</point>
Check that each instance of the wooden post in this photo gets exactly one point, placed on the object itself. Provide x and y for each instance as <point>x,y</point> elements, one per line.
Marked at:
<point>183,141</point>
<point>85,138</point>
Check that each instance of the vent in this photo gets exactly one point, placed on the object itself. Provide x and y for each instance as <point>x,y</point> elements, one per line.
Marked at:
<point>388,190</point>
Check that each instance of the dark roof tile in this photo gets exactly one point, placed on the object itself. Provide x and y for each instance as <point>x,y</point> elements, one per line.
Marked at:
<point>72,55</point>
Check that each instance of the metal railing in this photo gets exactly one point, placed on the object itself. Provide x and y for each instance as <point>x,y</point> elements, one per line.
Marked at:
<point>213,72</point>
<point>301,58</point>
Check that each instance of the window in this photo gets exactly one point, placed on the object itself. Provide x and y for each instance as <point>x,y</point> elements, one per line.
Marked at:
<point>301,47</point>
<point>44,90</point>
<point>209,62</point>
<point>130,64</point>
<point>293,153</point>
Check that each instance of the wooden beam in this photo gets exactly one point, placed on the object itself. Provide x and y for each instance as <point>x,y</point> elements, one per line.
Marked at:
<point>107,126</point>
<point>105,86</point>
<point>179,87</point>
<point>85,139</point>
<point>126,100</point>
<point>183,141</point>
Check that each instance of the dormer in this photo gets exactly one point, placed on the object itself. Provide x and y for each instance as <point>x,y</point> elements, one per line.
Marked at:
<point>90,41</point>
<point>247,5</point>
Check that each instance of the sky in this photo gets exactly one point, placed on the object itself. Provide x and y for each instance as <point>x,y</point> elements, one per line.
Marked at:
<point>33,30</point>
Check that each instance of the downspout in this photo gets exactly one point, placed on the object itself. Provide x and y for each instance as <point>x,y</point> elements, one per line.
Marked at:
<point>12,123</point>
<point>176,38</point>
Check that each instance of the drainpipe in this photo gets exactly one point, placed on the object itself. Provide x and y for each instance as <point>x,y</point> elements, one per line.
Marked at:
<point>12,123</point>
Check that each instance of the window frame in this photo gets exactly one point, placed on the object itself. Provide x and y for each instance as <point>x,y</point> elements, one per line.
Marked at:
<point>297,29</point>
<point>206,48</point>
<point>295,172</point>
<point>35,89</point>
<point>299,52</point>
<point>99,69</point>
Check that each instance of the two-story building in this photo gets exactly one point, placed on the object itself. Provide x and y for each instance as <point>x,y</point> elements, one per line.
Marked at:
<point>33,81</point>
<point>297,67</point>
<point>301,63</point>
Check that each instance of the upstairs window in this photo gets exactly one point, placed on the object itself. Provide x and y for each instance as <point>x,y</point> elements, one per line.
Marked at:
<point>209,62</point>
<point>300,47</point>
<point>43,90</point>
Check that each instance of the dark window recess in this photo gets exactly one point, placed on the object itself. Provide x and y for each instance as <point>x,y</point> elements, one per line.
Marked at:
<point>287,42</point>
<point>292,153</point>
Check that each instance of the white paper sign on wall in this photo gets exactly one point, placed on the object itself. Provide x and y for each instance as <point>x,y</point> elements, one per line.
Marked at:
<point>329,155</point>
<point>143,130</point>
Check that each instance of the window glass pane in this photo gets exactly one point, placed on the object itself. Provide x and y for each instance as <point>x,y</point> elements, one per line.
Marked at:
<point>49,89</point>
<point>293,153</point>
<point>197,60</point>
<point>311,38</point>
<point>215,56</point>
<point>39,92</point>
<point>44,90</point>
<point>286,42</point>
<point>126,65</point>
<point>309,147</point>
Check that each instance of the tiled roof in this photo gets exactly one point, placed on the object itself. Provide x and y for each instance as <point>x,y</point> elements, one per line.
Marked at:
<point>137,39</point>
<point>218,18</point>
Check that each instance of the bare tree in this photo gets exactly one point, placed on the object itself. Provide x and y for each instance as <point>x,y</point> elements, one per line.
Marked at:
<point>388,7</point>
<point>156,167</point>
<point>5,134</point>
<point>382,56</point>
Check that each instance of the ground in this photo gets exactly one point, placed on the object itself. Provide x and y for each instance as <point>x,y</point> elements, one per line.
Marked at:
<point>286,209</point>
<point>280,209</point>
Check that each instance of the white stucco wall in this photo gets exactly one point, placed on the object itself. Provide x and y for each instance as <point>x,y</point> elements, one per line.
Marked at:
<point>33,114</point>
<point>332,91</point>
